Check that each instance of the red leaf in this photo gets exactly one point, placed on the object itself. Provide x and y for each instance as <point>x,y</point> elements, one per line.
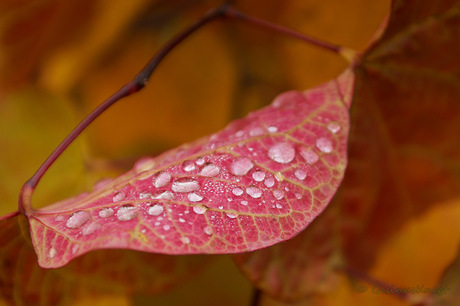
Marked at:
<point>259,181</point>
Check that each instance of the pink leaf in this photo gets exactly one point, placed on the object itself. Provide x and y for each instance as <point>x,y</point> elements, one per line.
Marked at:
<point>259,181</point>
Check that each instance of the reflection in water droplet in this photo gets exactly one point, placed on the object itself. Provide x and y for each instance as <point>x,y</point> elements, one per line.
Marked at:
<point>163,194</point>
<point>52,253</point>
<point>324,144</point>
<point>282,152</point>
<point>199,209</point>
<point>334,127</point>
<point>300,174</point>
<point>254,192</point>
<point>185,185</point>
<point>258,176</point>
<point>106,212</point>
<point>269,182</point>
<point>78,219</point>
<point>185,240</point>
<point>278,194</point>
<point>231,215</point>
<point>119,196</point>
<point>208,230</point>
<point>308,154</point>
<point>272,129</point>
<point>126,213</point>
<point>162,179</point>
<point>210,170</point>
<point>195,197</point>
<point>188,165</point>
<point>156,210</point>
<point>241,166</point>
<point>237,191</point>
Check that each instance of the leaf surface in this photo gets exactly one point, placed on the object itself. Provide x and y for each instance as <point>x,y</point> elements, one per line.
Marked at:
<point>259,181</point>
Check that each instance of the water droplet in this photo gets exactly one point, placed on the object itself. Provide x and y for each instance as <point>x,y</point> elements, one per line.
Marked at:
<point>298,196</point>
<point>199,209</point>
<point>272,129</point>
<point>144,164</point>
<point>208,230</point>
<point>156,210</point>
<point>324,144</point>
<point>309,156</point>
<point>126,213</point>
<point>244,203</point>
<point>300,174</point>
<point>282,152</point>
<point>59,218</point>
<point>200,161</point>
<point>334,127</point>
<point>210,170</point>
<point>279,206</point>
<point>254,192</point>
<point>231,215</point>
<point>166,227</point>
<point>237,191</point>
<point>106,212</point>
<point>78,219</point>
<point>185,240</point>
<point>195,197</point>
<point>278,194</point>
<point>144,195</point>
<point>258,176</point>
<point>90,228</point>
<point>163,194</point>
<point>181,220</point>
<point>269,182</point>
<point>257,131</point>
<point>162,179</point>
<point>241,166</point>
<point>188,165</point>
<point>185,185</point>
<point>119,196</point>
<point>52,253</point>
<point>221,207</point>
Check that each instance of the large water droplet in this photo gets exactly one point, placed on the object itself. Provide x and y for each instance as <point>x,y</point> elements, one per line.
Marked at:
<point>126,213</point>
<point>308,154</point>
<point>188,165</point>
<point>195,197</point>
<point>334,127</point>
<point>208,230</point>
<point>163,194</point>
<point>119,196</point>
<point>106,212</point>
<point>241,166</point>
<point>237,191</point>
<point>324,144</point>
<point>199,209</point>
<point>185,185</point>
<point>210,170</point>
<point>78,219</point>
<point>258,176</point>
<point>282,152</point>
<point>52,253</point>
<point>269,182</point>
<point>156,210</point>
<point>300,174</point>
<point>185,240</point>
<point>254,192</point>
<point>278,194</point>
<point>162,179</point>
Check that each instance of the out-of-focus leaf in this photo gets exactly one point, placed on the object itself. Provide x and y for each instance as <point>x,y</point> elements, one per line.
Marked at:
<point>449,286</point>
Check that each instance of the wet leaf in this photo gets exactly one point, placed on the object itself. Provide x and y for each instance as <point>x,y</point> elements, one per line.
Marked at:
<point>260,181</point>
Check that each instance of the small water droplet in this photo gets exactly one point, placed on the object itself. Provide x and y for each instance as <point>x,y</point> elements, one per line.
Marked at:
<point>324,144</point>
<point>298,196</point>
<point>188,165</point>
<point>185,185</point>
<point>231,215</point>
<point>282,152</point>
<point>244,203</point>
<point>208,230</point>
<point>221,207</point>
<point>254,192</point>
<point>199,209</point>
<point>163,194</point>
<point>257,131</point>
<point>241,166</point>
<point>144,164</point>
<point>126,213</point>
<point>237,191</point>
<point>195,197</point>
<point>144,195</point>
<point>106,212</point>
<point>278,194</point>
<point>52,253</point>
<point>90,228</point>
<point>185,240</point>
<point>334,127</point>
<point>258,176</point>
<point>181,220</point>
<point>272,129</point>
<point>300,174</point>
<point>269,182</point>
<point>78,219</point>
<point>59,218</point>
<point>162,179</point>
<point>279,206</point>
<point>210,170</point>
<point>166,227</point>
<point>119,196</point>
<point>156,210</point>
<point>200,161</point>
<point>309,156</point>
